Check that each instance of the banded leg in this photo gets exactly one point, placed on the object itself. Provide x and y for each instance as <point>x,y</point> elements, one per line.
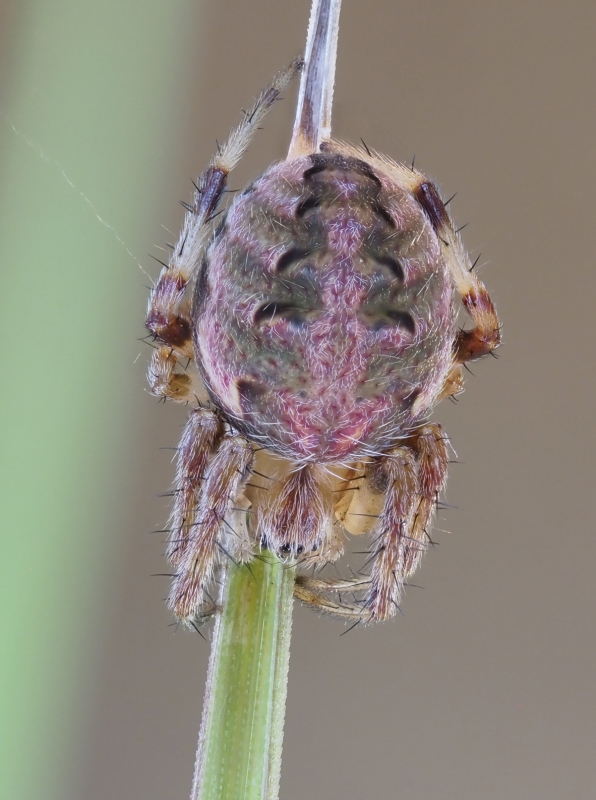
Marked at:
<point>395,474</point>
<point>167,318</point>
<point>224,477</point>
<point>410,501</point>
<point>486,335</point>
<point>202,434</point>
<point>165,380</point>
<point>409,478</point>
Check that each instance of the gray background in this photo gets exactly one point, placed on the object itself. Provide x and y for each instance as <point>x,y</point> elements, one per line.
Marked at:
<point>485,687</point>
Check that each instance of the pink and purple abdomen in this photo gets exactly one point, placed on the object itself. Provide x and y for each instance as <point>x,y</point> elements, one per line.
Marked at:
<point>323,318</point>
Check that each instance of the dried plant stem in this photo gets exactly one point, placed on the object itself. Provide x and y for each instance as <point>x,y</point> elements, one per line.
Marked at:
<point>239,754</point>
<point>315,98</point>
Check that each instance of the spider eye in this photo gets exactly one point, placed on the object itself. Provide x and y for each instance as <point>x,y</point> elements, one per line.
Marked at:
<point>287,548</point>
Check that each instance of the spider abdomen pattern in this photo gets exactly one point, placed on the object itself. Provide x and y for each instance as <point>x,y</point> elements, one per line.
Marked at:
<point>323,320</point>
<point>321,317</point>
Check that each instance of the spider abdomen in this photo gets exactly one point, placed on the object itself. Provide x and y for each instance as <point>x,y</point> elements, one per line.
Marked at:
<point>323,320</point>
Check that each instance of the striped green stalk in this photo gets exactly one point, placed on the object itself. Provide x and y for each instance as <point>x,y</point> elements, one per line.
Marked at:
<point>239,755</point>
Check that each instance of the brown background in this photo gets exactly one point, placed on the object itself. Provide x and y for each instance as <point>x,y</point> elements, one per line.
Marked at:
<point>485,687</point>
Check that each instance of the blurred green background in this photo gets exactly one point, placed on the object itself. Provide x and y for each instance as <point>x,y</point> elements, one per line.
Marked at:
<point>90,98</point>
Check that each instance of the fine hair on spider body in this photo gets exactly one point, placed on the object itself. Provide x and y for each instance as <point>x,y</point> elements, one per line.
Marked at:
<point>320,316</point>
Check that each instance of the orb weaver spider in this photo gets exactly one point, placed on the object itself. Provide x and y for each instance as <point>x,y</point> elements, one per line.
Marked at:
<point>318,311</point>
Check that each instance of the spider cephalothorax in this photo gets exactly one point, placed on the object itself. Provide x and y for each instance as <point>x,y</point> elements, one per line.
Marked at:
<point>323,326</point>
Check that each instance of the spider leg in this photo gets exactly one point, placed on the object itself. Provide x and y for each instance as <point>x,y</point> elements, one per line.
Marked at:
<point>223,481</point>
<point>314,593</point>
<point>202,434</point>
<point>454,382</point>
<point>393,481</point>
<point>330,585</point>
<point>165,380</point>
<point>411,477</point>
<point>394,475</point>
<point>403,485</point>
<point>430,444</point>
<point>168,316</point>
<point>486,335</point>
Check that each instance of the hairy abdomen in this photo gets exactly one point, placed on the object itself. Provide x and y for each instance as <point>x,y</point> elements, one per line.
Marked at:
<point>323,320</point>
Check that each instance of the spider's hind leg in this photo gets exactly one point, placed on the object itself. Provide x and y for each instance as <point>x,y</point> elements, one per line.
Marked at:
<point>167,317</point>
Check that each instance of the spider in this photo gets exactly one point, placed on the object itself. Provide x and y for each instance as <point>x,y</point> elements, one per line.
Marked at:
<point>319,313</point>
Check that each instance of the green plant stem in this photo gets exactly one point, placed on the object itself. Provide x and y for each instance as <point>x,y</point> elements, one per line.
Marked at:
<point>239,754</point>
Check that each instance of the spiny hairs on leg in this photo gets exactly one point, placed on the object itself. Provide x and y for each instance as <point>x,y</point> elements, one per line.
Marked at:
<point>409,478</point>
<point>202,434</point>
<point>395,475</point>
<point>164,378</point>
<point>485,337</point>
<point>299,515</point>
<point>223,480</point>
<point>167,314</point>
<point>416,476</point>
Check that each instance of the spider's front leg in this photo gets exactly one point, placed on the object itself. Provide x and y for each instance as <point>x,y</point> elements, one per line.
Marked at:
<point>165,378</point>
<point>485,337</point>
<point>316,592</point>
